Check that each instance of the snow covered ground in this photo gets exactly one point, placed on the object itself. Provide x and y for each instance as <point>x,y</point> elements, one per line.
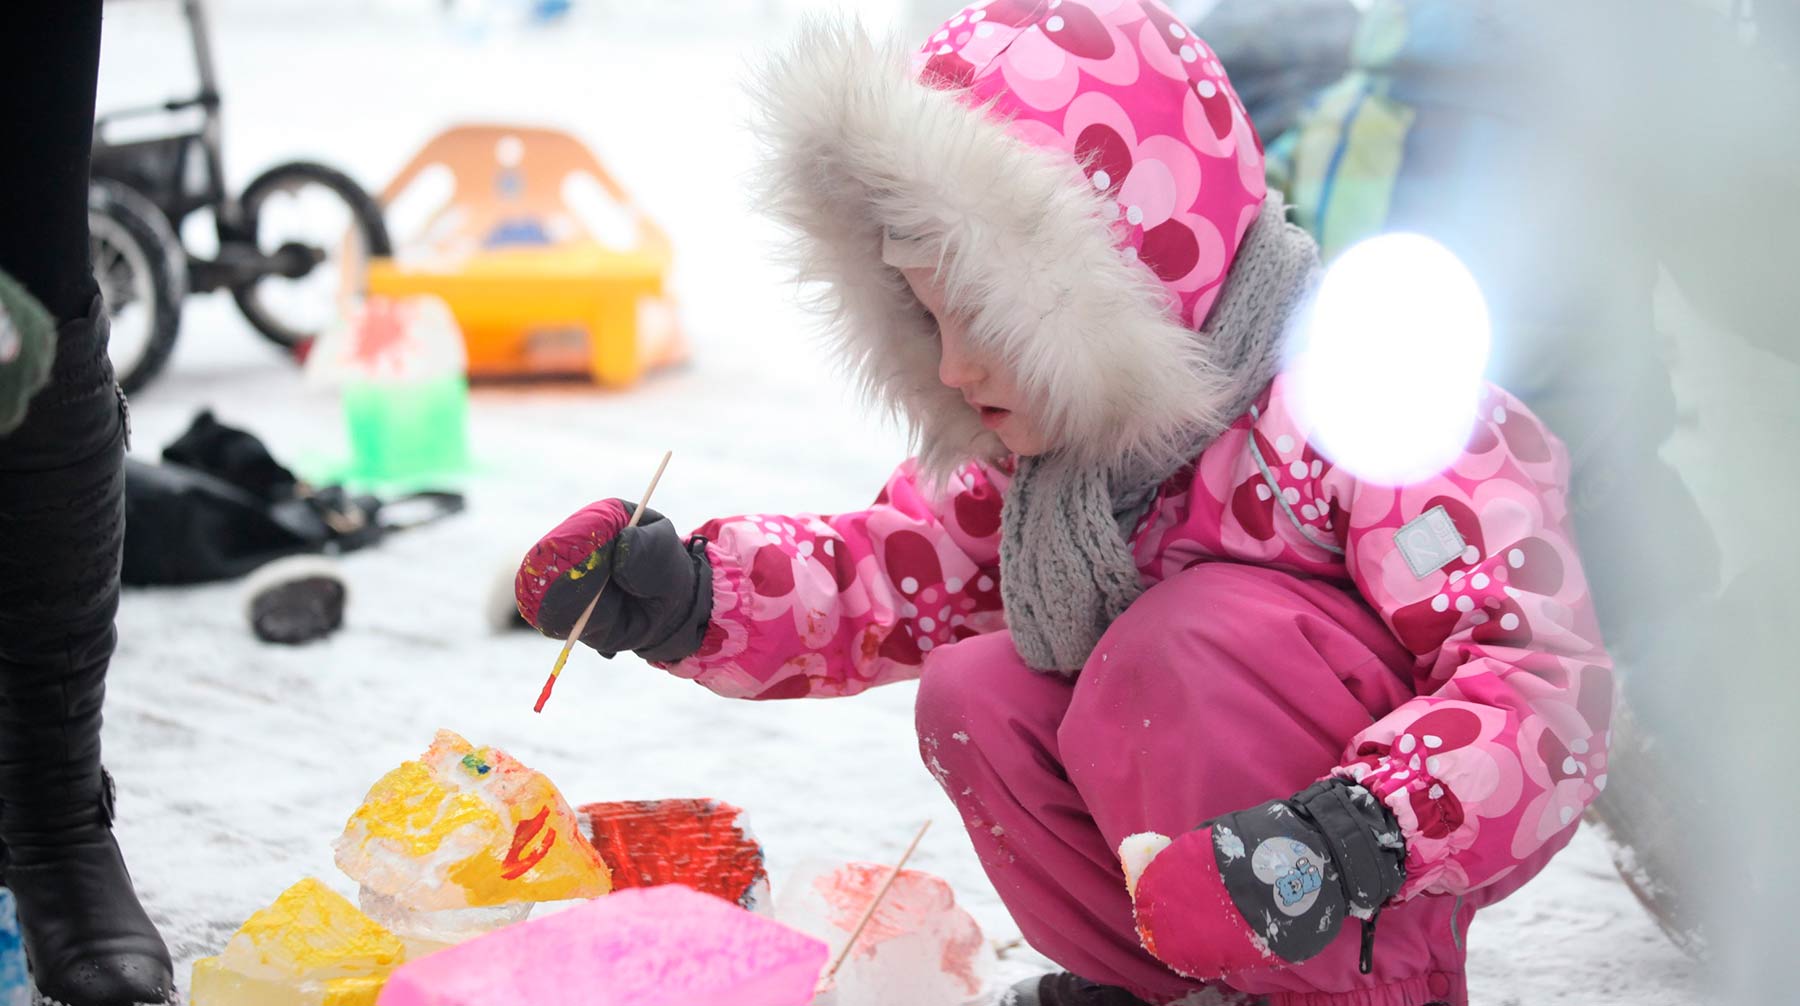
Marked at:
<point>238,763</point>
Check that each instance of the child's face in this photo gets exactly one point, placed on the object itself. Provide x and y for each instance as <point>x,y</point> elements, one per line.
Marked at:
<point>985,385</point>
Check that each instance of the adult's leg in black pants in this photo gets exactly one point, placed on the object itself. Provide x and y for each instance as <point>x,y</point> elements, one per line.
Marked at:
<point>61,530</point>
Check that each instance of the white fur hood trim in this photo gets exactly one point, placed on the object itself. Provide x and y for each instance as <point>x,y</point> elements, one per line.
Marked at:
<point>855,145</point>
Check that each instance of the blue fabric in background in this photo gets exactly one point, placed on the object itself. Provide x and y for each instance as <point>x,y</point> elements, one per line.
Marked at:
<point>15,982</point>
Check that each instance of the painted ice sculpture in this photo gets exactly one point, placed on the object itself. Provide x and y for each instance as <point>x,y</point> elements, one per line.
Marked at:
<point>311,947</point>
<point>462,841</point>
<point>918,949</point>
<point>702,844</point>
<point>657,946</point>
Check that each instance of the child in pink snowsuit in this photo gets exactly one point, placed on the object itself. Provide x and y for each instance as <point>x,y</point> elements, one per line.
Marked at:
<point>1199,693</point>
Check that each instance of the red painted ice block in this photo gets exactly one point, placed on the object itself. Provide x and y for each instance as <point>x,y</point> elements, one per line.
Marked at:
<point>702,844</point>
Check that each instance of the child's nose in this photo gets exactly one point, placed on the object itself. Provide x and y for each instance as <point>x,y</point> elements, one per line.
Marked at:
<point>956,368</point>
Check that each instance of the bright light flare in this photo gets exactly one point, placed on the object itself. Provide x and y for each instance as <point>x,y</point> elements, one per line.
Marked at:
<point>1388,362</point>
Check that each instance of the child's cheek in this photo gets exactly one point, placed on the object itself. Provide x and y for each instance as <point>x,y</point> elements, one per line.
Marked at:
<point>1022,437</point>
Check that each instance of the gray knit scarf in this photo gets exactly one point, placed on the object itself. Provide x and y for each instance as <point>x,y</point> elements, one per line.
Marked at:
<point>1066,569</point>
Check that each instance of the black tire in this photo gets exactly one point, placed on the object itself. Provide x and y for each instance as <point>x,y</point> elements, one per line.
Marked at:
<point>142,271</point>
<point>366,231</point>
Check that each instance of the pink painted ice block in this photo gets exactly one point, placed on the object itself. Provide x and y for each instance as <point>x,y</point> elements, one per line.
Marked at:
<point>654,946</point>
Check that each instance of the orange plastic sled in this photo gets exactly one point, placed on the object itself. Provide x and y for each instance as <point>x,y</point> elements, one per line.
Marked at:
<point>543,258</point>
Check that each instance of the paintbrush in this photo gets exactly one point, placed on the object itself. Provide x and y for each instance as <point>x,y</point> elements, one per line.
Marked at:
<point>588,612</point>
<point>869,912</point>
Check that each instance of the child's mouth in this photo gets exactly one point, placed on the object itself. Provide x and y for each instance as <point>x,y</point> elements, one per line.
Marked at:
<point>992,417</point>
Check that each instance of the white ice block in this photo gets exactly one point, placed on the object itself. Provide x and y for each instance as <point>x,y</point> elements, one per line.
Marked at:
<point>919,949</point>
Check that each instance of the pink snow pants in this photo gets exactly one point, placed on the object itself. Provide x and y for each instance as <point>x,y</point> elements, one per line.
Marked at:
<point>1221,687</point>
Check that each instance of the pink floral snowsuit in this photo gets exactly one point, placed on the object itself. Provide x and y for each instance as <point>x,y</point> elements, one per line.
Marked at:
<point>1434,641</point>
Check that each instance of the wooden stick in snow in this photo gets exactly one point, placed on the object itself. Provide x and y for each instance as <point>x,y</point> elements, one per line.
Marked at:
<point>869,912</point>
<point>588,612</point>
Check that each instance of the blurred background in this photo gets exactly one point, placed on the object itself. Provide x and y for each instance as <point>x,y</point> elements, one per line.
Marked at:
<point>569,179</point>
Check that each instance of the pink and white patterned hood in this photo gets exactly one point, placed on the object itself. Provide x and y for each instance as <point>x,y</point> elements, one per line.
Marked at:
<point>1084,170</point>
<point>1140,102</point>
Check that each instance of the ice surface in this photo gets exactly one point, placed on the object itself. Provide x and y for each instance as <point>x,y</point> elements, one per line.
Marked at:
<point>460,830</point>
<point>919,948</point>
<point>702,844</point>
<point>310,947</point>
<point>425,932</point>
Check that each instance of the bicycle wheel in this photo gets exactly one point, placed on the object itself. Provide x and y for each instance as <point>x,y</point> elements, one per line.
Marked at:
<point>322,210</point>
<point>142,271</point>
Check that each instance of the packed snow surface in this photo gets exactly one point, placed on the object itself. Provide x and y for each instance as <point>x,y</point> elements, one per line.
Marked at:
<point>238,763</point>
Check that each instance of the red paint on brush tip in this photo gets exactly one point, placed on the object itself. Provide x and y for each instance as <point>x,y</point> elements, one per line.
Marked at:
<point>544,696</point>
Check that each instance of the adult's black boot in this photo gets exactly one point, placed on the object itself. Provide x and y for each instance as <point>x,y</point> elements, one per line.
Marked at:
<point>87,938</point>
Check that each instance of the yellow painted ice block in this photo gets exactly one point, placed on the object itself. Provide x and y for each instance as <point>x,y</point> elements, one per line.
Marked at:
<point>310,948</point>
<point>468,827</point>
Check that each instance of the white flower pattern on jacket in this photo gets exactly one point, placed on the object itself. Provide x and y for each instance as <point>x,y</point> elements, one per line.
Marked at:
<point>1495,758</point>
